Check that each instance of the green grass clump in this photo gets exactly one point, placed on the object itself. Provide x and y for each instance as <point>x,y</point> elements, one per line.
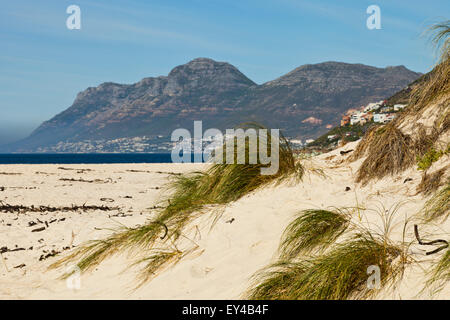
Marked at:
<point>440,274</point>
<point>190,194</point>
<point>276,282</point>
<point>431,156</point>
<point>338,274</point>
<point>311,229</point>
<point>439,205</point>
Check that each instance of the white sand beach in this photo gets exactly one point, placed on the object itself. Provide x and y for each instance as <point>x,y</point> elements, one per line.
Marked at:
<point>227,250</point>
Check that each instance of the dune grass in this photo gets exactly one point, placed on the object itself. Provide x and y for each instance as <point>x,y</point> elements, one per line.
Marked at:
<point>438,206</point>
<point>90,254</point>
<point>157,261</point>
<point>313,228</point>
<point>440,274</point>
<point>430,182</point>
<point>190,194</point>
<point>389,150</point>
<point>439,81</point>
<point>341,273</point>
<point>339,269</point>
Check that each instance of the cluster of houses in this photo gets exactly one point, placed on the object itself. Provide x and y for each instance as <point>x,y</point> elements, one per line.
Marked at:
<point>376,112</point>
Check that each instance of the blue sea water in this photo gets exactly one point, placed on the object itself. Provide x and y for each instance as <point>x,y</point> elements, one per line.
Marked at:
<point>85,158</point>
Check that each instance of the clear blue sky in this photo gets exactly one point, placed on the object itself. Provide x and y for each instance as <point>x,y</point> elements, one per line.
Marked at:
<point>43,65</point>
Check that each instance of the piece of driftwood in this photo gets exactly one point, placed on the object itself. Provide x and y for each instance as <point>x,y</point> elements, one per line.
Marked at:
<point>5,207</point>
<point>345,152</point>
<point>430,243</point>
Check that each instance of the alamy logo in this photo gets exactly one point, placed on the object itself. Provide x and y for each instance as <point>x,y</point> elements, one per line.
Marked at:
<point>374,280</point>
<point>242,146</point>
<point>73,22</point>
<point>374,20</point>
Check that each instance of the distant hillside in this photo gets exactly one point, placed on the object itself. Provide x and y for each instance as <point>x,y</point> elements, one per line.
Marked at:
<point>301,103</point>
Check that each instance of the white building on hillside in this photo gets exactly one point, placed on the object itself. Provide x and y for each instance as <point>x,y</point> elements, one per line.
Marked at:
<point>398,107</point>
<point>379,117</point>
<point>356,117</point>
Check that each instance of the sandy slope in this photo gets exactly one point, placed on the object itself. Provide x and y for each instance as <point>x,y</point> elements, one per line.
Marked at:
<point>226,254</point>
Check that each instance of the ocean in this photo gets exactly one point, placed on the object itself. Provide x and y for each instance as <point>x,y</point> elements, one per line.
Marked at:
<point>85,158</point>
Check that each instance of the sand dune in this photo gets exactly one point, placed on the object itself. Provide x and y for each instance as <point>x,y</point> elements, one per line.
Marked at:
<point>243,239</point>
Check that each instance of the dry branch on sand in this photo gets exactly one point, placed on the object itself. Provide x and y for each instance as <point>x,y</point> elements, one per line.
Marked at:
<point>5,207</point>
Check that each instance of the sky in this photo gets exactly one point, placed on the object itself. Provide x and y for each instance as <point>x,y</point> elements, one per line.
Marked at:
<point>43,64</point>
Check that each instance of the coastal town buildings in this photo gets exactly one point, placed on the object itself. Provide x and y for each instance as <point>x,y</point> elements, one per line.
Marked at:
<point>377,112</point>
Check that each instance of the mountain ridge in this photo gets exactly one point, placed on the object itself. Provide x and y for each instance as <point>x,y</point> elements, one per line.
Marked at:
<point>222,96</point>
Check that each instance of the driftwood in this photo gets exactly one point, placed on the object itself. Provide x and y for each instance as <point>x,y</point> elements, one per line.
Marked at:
<point>73,169</point>
<point>4,207</point>
<point>166,230</point>
<point>5,249</point>
<point>48,255</point>
<point>159,172</point>
<point>430,243</point>
<point>345,152</point>
<point>109,180</point>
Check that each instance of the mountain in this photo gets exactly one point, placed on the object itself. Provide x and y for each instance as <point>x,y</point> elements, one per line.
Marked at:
<point>301,103</point>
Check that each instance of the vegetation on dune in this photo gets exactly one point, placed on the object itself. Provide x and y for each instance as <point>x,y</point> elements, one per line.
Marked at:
<point>190,193</point>
<point>339,269</point>
<point>440,274</point>
<point>430,182</point>
<point>312,229</point>
<point>341,273</point>
<point>438,83</point>
<point>439,205</point>
<point>431,156</point>
<point>387,149</point>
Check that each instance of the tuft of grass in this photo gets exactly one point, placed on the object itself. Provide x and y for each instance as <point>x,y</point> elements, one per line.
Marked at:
<point>440,36</point>
<point>389,151</point>
<point>311,229</point>
<point>92,253</point>
<point>431,156</point>
<point>366,141</point>
<point>190,194</point>
<point>436,86</point>
<point>439,205</point>
<point>276,281</point>
<point>440,274</point>
<point>431,182</point>
<point>339,274</point>
<point>158,260</point>
<point>438,83</point>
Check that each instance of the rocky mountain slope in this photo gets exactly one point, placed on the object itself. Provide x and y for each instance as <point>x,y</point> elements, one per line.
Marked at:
<point>301,103</point>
